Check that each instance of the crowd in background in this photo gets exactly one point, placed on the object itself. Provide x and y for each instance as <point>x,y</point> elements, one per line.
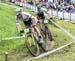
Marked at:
<point>64,6</point>
<point>69,7</point>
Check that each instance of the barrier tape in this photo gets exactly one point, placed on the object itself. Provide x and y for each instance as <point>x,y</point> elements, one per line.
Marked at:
<point>63,29</point>
<point>9,38</point>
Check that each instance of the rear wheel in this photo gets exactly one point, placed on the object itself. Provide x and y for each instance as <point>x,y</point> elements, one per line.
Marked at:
<point>47,40</point>
<point>32,45</point>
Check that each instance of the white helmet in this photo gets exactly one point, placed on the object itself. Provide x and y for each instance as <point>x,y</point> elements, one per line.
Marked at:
<point>18,10</point>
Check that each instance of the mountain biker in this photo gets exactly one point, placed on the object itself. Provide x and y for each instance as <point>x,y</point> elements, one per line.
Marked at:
<point>28,20</point>
<point>40,13</point>
<point>20,15</point>
<point>40,16</point>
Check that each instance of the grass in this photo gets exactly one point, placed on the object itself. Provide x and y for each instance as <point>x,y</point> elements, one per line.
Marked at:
<point>7,22</point>
<point>8,29</point>
<point>17,49</point>
<point>67,25</point>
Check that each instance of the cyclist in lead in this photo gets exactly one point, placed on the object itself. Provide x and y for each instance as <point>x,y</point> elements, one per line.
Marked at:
<point>28,20</point>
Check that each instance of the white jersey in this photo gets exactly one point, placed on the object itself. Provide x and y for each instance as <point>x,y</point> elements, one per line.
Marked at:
<point>24,16</point>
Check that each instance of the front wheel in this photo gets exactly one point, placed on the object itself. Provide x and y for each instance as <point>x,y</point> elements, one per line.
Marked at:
<point>32,45</point>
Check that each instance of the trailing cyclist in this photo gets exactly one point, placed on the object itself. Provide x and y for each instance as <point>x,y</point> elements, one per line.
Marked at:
<point>28,21</point>
<point>40,16</point>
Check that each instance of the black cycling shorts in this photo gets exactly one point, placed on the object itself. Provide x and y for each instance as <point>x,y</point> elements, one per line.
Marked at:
<point>28,23</point>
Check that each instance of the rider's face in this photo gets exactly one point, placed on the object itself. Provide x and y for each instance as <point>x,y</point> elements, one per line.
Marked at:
<point>19,16</point>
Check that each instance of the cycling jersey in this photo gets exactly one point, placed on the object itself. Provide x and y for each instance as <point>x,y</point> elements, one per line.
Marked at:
<point>24,16</point>
<point>27,22</point>
<point>41,15</point>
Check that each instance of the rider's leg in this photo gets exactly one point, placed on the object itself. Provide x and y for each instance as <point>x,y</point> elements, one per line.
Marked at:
<point>38,31</point>
<point>40,36</point>
<point>40,24</point>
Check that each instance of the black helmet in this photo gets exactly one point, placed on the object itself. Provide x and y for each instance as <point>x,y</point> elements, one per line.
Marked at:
<point>38,7</point>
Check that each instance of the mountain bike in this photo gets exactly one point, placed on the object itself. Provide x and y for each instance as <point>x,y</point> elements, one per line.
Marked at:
<point>31,41</point>
<point>46,33</point>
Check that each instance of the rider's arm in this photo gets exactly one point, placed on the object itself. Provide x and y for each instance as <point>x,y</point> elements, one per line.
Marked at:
<point>18,25</point>
<point>17,21</point>
<point>36,19</point>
